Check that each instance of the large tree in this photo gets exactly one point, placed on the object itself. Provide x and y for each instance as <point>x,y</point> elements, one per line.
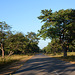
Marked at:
<point>59,24</point>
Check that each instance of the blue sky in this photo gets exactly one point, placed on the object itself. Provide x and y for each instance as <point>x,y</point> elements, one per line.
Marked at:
<point>22,15</point>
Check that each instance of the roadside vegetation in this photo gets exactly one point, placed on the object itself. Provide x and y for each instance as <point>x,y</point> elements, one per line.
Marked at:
<point>10,60</point>
<point>70,56</point>
<point>59,26</point>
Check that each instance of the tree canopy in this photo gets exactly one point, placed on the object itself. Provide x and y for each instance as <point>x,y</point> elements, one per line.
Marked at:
<point>58,24</point>
<point>17,43</point>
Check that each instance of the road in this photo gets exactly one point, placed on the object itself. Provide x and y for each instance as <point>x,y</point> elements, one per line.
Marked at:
<point>44,65</point>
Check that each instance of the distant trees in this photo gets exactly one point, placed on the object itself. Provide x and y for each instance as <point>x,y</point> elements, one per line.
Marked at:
<point>33,42</point>
<point>32,37</point>
<point>59,24</point>
<point>17,43</point>
<point>20,44</point>
<point>53,47</point>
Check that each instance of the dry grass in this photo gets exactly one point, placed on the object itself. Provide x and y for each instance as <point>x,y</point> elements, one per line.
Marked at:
<point>10,64</point>
<point>71,53</point>
<point>10,59</point>
<point>70,57</point>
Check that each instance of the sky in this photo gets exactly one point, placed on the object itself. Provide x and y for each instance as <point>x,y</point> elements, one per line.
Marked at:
<point>22,15</point>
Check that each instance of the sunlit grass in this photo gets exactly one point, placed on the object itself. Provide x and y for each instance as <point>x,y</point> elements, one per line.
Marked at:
<point>10,59</point>
<point>61,54</point>
<point>70,53</point>
<point>70,57</point>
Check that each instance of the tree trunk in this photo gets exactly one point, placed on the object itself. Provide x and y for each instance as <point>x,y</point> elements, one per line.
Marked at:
<point>2,50</point>
<point>64,46</point>
<point>65,51</point>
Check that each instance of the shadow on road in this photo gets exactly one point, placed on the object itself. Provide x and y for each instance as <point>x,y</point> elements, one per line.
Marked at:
<point>40,64</point>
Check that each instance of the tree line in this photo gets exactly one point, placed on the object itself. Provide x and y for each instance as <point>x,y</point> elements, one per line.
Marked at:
<point>17,43</point>
<point>59,26</point>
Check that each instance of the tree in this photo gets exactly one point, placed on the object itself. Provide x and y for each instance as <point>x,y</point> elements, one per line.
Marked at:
<point>59,24</point>
<point>16,43</point>
<point>33,42</point>
<point>53,47</point>
<point>4,33</point>
<point>32,37</point>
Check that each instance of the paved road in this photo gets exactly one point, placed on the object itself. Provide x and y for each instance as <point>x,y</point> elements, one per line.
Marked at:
<point>44,65</point>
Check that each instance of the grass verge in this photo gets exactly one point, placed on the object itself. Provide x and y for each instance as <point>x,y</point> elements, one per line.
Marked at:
<point>70,57</point>
<point>7,61</point>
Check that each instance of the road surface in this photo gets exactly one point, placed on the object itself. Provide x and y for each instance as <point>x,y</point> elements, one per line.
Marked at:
<point>44,65</point>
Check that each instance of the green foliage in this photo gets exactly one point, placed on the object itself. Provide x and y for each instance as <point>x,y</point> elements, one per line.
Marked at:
<point>18,43</point>
<point>32,37</point>
<point>15,42</point>
<point>4,31</point>
<point>53,47</point>
<point>72,46</point>
<point>58,25</point>
<point>33,42</point>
